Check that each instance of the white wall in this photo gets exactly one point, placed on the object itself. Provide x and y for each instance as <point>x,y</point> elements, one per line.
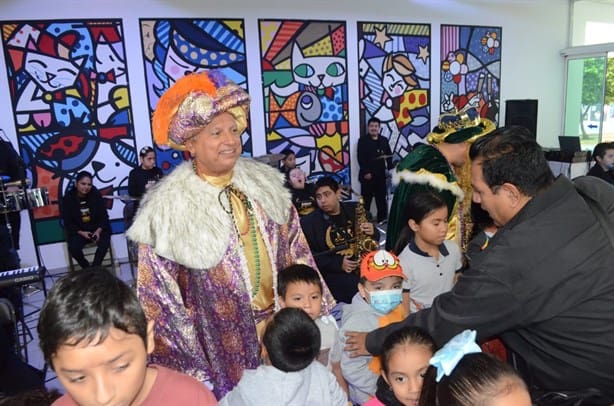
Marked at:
<point>534,33</point>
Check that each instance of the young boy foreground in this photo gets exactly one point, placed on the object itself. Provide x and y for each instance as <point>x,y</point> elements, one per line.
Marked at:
<point>94,335</point>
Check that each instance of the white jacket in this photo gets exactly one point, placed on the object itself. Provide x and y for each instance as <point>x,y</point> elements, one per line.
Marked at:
<point>267,385</point>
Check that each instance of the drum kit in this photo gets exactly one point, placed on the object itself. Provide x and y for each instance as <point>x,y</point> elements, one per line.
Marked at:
<point>15,197</point>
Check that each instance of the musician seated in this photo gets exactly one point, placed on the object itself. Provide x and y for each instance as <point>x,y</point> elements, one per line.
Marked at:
<point>86,220</point>
<point>330,231</point>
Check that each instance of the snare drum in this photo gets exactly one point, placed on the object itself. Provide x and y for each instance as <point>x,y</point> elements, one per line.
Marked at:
<point>13,201</point>
<point>38,197</point>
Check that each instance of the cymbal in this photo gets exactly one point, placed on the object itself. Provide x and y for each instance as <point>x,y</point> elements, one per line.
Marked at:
<point>384,156</point>
<point>16,183</point>
<point>123,198</point>
<point>270,158</point>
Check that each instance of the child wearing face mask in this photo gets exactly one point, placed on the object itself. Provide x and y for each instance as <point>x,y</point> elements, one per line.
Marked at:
<point>377,304</point>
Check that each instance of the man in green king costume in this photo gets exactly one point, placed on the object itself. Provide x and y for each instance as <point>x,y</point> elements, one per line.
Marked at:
<point>441,166</point>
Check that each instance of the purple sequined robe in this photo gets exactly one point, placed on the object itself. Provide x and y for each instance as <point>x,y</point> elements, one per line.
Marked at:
<point>204,323</point>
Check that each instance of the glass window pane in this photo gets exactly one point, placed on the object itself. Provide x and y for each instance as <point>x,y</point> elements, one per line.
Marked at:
<point>584,104</point>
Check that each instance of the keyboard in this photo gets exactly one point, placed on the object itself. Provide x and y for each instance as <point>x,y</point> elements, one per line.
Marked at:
<point>21,276</point>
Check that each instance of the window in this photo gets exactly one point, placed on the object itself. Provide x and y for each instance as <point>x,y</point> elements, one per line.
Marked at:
<point>589,101</point>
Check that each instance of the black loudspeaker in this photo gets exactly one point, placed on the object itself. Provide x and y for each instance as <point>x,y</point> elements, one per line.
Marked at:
<point>522,112</point>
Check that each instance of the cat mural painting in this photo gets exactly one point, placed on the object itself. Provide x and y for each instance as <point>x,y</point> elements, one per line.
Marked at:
<point>308,108</point>
<point>208,261</point>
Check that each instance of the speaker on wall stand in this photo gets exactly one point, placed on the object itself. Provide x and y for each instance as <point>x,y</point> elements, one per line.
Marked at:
<point>522,112</point>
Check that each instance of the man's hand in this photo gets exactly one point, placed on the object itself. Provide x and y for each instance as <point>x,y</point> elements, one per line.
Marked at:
<point>349,265</point>
<point>356,344</point>
<point>368,176</point>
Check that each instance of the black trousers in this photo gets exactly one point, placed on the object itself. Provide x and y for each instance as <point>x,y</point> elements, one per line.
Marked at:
<point>375,189</point>
<point>77,242</point>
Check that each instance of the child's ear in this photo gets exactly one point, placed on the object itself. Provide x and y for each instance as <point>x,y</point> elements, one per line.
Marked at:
<point>383,374</point>
<point>264,355</point>
<point>412,225</point>
<point>282,302</point>
<point>363,292</point>
<point>150,337</point>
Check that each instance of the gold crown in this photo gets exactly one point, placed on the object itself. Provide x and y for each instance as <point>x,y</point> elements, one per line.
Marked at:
<point>467,119</point>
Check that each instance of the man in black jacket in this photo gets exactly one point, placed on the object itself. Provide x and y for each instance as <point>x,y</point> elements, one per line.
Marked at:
<point>603,154</point>
<point>545,284</point>
<point>374,157</point>
<point>11,171</point>
<point>330,231</point>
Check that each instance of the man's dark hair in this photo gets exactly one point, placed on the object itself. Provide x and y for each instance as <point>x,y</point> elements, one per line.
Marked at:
<point>286,152</point>
<point>294,274</point>
<point>510,155</point>
<point>84,306</point>
<point>601,148</point>
<point>327,181</point>
<point>291,339</point>
<point>374,120</point>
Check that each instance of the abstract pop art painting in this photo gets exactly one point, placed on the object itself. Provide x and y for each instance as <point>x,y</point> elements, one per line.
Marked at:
<point>395,81</point>
<point>304,72</point>
<point>69,90</point>
<point>471,69</point>
<point>173,48</point>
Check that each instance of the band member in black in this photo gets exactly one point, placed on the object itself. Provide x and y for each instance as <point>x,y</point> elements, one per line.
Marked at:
<point>330,233</point>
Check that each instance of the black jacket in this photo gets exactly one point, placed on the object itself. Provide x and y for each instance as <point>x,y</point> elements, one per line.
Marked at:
<point>342,285</point>
<point>597,171</point>
<point>368,151</point>
<point>10,162</point>
<point>545,285</point>
<point>71,212</point>
<point>138,178</point>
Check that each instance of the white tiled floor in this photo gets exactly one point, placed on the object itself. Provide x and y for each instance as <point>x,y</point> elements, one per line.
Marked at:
<point>33,298</point>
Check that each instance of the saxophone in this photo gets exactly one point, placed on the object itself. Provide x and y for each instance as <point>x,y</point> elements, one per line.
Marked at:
<point>363,244</point>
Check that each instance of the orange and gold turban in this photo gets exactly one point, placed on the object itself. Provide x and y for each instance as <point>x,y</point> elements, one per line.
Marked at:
<point>192,102</point>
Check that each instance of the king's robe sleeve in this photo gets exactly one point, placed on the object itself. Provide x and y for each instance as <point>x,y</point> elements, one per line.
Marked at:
<point>176,342</point>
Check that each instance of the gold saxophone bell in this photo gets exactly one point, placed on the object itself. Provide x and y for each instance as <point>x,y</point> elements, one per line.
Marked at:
<point>363,244</point>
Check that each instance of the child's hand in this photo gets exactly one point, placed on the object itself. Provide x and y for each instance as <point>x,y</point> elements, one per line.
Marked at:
<point>356,344</point>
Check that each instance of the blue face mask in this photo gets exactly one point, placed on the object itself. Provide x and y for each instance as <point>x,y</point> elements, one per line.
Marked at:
<point>384,301</point>
<point>610,166</point>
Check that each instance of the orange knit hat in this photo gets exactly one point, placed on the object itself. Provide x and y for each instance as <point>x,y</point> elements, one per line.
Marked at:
<point>379,264</point>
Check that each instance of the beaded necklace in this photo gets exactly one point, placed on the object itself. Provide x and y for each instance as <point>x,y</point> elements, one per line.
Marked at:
<point>227,191</point>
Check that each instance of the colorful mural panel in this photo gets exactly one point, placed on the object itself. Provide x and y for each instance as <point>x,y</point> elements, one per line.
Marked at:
<point>69,90</point>
<point>304,70</point>
<point>395,81</point>
<point>471,69</point>
<point>177,47</point>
